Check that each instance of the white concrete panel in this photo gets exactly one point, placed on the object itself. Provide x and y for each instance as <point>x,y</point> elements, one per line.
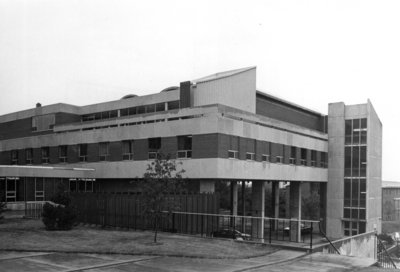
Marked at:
<point>43,171</point>
<point>214,169</point>
<point>238,91</point>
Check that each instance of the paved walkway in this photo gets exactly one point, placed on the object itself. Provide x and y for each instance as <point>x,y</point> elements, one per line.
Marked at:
<point>283,260</point>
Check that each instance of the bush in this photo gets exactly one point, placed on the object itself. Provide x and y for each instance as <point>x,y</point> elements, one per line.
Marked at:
<point>61,215</point>
<point>58,217</point>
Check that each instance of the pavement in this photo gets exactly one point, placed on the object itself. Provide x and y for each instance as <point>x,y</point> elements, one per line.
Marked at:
<point>282,260</point>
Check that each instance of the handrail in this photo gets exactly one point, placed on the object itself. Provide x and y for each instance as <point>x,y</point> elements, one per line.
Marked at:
<point>247,217</point>
<point>323,234</point>
<point>384,250</point>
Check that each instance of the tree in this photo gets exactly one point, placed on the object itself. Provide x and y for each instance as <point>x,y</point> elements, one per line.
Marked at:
<point>159,181</point>
<point>310,206</point>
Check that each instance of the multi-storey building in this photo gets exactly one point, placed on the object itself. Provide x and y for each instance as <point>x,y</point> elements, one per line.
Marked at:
<point>390,201</point>
<point>221,129</point>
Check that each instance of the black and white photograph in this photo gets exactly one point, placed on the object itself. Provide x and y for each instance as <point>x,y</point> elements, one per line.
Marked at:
<point>222,136</point>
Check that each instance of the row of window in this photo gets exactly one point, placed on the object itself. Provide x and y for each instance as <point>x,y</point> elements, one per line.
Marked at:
<point>184,150</point>
<point>234,154</point>
<point>154,146</point>
<point>151,108</point>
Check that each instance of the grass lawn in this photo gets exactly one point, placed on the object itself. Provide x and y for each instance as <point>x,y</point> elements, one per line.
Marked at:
<point>28,234</point>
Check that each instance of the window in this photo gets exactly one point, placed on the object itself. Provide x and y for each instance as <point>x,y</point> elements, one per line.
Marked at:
<point>29,155</point>
<point>184,146</point>
<point>233,151</point>
<point>83,152</point>
<point>250,156</point>
<point>313,158</point>
<point>141,109</point>
<point>292,159</point>
<point>233,154</point>
<point>14,156</point>
<point>154,145</point>
<point>303,156</point>
<point>62,153</point>
<point>160,107</point>
<point>81,185</point>
<point>104,151</point>
<point>45,154</point>
<point>279,159</point>
<point>353,227</point>
<point>150,108</point>
<point>265,158</point>
<point>173,105</point>
<point>324,160</point>
<point>127,150</point>
<point>363,139</point>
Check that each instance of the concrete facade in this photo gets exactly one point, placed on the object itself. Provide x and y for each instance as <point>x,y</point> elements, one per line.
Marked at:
<point>363,174</point>
<point>219,127</point>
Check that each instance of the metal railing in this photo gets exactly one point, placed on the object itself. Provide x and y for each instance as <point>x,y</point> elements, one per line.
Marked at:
<point>384,259</point>
<point>332,249</point>
<point>259,229</point>
<point>34,209</point>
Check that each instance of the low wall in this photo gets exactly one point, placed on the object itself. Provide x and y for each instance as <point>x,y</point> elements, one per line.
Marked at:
<point>362,245</point>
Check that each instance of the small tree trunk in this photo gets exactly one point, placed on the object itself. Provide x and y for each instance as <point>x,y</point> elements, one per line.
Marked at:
<point>155,228</point>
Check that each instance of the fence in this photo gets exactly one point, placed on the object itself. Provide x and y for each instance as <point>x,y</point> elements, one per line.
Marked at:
<point>383,256</point>
<point>34,209</point>
<point>125,210</point>
<point>259,229</point>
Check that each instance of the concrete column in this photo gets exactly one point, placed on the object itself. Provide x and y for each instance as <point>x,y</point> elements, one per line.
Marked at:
<point>207,186</point>
<point>275,201</point>
<point>322,204</point>
<point>257,209</point>
<point>243,198</point>
<point>234,198</point>
<point>295,211</point>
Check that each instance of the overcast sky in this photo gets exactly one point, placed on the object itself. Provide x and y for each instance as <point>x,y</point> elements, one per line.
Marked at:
<point>308,52</point>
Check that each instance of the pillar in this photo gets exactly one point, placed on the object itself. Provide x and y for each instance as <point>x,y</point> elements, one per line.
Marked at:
<point>295,211</point>
<point>234,198</point>
<point>258,209</point>
<point>243,198</point>
<point>207,186</point>
<point>275,202</point>
<point>322,205</point>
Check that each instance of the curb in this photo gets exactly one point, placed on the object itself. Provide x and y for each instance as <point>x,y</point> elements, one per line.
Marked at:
<point>137,254</point>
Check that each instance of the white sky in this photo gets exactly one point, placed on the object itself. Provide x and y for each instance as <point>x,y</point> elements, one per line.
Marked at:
<point>308,52</point>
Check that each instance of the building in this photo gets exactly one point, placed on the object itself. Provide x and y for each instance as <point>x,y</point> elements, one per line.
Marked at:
<point>390,201</point>
<point>222,129</point>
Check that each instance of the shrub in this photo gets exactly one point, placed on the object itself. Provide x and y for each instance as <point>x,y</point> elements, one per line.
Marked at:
<point>58,217</point>
<point>386,237</point>
<point>61,215</point>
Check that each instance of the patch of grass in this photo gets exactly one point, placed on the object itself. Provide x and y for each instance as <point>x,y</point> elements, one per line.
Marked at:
<point>27,234</point>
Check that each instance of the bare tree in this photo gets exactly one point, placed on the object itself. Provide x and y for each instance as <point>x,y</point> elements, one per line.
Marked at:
<point>161,180</point>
